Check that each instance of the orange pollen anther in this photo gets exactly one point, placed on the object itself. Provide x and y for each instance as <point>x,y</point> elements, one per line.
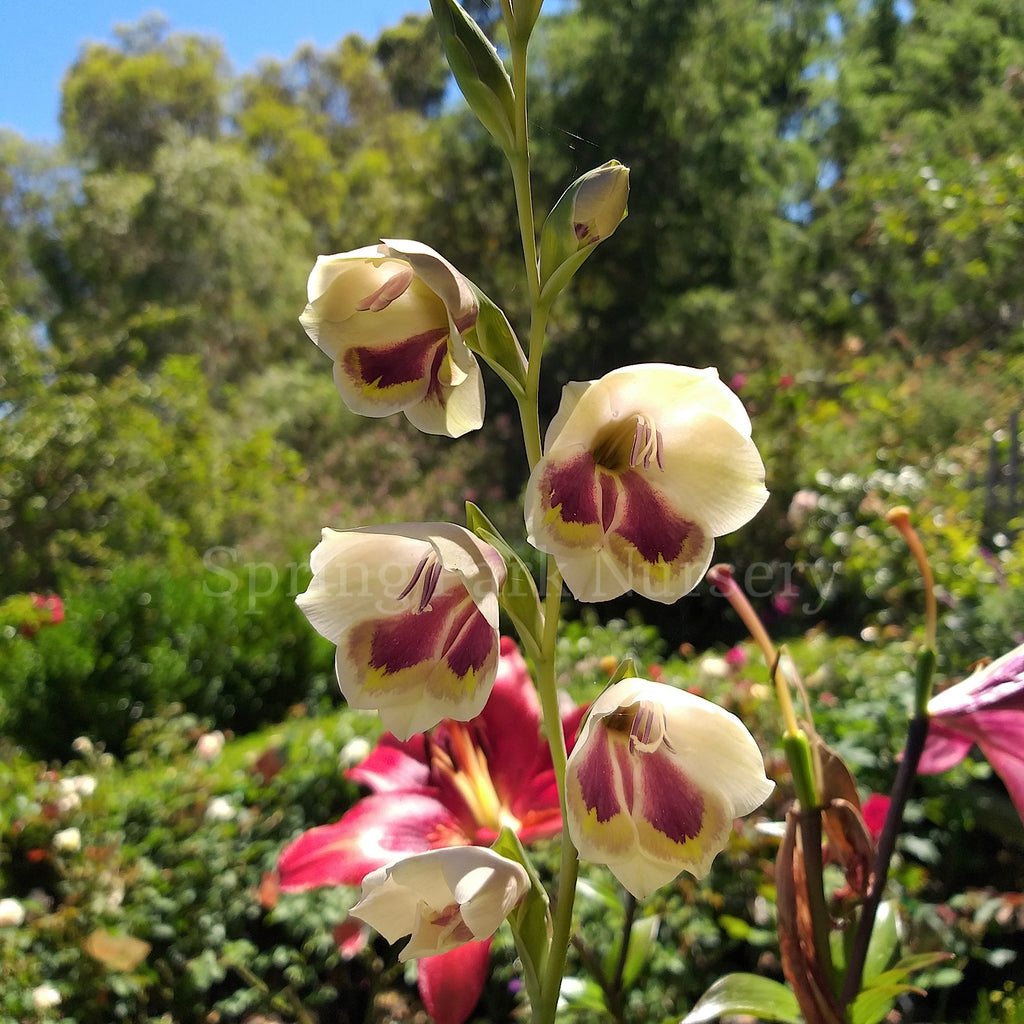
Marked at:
<point>465,764</point>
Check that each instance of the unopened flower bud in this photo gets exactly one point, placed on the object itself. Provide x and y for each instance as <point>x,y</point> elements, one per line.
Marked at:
<point>590,210</point>
<point>599,202</point>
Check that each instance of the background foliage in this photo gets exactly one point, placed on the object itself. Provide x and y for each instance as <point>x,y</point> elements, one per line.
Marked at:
<point>827,204</point>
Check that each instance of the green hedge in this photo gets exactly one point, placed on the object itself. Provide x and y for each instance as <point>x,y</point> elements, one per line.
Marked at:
<point>227,642</point>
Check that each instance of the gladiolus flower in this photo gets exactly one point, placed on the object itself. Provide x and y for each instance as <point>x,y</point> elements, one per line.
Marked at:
<point>642,469</point>
<point>987,709</point>
<point>655,781</point>
<point>413,609</point>
<point>392,318</point>
<point>443,898</point>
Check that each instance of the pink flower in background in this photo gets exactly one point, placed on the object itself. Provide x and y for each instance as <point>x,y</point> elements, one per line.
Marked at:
<point>987,709</point>
<point>874,809</point>
<point>457,786</point>
<point>736,657</point>
<point>45,611</point>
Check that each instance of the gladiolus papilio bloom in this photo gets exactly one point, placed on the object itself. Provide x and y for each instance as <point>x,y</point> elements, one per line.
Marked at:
<point>413,609</point>
<point>641,470</point>
<point>442,898</point>
<point>391,316</point>
<point>655,780</point>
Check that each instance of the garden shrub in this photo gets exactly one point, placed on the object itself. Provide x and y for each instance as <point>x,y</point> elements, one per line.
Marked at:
<point>177,854</point>
<point>226,641</point>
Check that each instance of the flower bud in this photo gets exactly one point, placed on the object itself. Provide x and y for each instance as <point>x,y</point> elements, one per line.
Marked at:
<point>590,210</point>
<point>599,202</point>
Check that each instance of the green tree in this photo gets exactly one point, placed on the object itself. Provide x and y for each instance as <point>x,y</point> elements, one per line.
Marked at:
<point>119,102</point>
<point>699,100</point>
<point>199,254</point>
<point>344,133</point>
<point>140,468</point>
<point>914,234</point>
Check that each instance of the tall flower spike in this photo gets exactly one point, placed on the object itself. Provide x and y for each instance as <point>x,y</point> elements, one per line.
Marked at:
<point>413,609</point>
<point>391,316</point>
<point>655,781</point>
<point>642,469</point>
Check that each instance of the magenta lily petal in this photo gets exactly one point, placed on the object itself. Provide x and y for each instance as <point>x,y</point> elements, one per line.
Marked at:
<point>1001,739</point>
<point>451,983</point>
<point>998,685</point>
<point>394,764</point>
<point>943,749</point>
<point>375,831</point>
<point>987,709</point>
<point>511,760</point>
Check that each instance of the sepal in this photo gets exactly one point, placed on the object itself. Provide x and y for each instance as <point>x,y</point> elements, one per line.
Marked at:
<point>492,338</point>
<point>518,596</point>
<point>531,920</point>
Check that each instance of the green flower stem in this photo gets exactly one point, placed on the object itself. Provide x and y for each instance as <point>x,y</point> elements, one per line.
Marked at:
<point>547,686</point>
<point>801,766</point>
<point>520,164</point>
<point>519,161</point>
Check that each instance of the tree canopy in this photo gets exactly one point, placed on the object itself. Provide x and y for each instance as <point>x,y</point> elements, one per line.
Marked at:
<point>803,173</point>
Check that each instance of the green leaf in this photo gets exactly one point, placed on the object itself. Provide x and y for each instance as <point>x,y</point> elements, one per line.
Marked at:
<point>595,200</point>
<point>519,596</point>
<point>876,998</point>
<point>873,1004</point>
<point>642,937</point>
<point>627,670</point>
<point>492,338</point>
<point>478,70</point>
<point>882,944</point>
<point>750,994</point>
<point>531,920</point>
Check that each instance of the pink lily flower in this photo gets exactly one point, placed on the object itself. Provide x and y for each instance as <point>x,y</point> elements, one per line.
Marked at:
<point>456,786</point>
<point>987,709</point>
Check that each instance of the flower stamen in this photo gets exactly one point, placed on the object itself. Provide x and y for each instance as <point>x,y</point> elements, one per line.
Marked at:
<point>433,567</point>
<point>646,441</point>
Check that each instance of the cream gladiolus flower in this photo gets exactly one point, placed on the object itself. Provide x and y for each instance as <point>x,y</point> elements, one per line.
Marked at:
<point>391,316</point>
<point>642,469</point>
<point>655,781</point>
<point>442,898</point>
<point>413,609</point>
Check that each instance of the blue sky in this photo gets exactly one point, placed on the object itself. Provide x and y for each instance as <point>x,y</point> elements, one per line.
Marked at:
<point>39,39</point>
